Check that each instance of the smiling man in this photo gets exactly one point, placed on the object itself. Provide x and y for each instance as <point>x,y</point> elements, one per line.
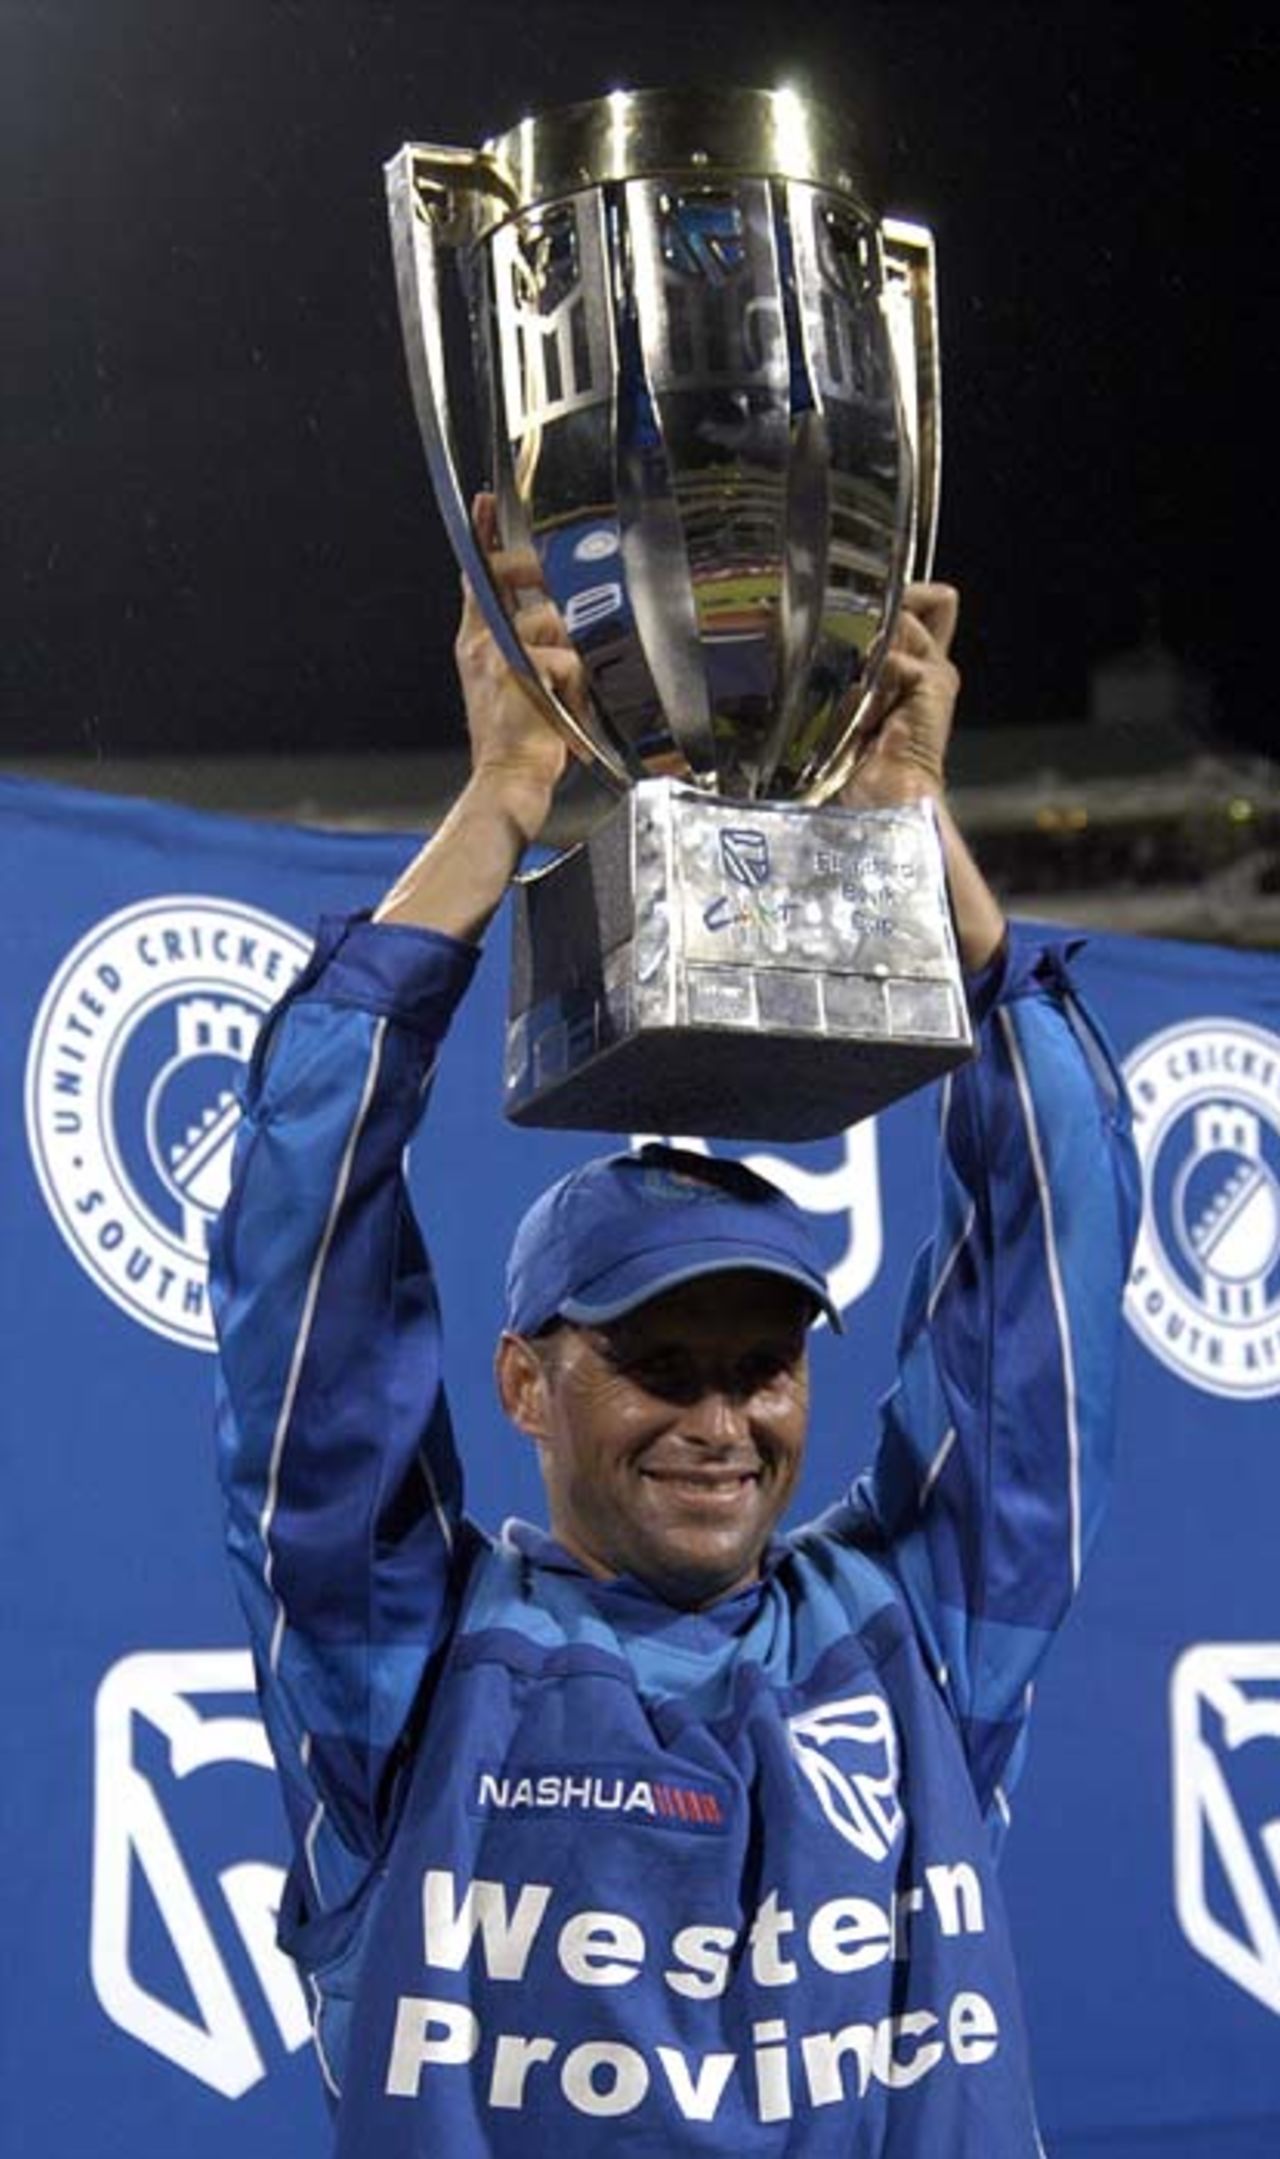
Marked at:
<point>662,1831</point>
<point>667,1393</point>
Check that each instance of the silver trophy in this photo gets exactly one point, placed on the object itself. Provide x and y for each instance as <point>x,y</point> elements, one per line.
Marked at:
<point>708,385</point>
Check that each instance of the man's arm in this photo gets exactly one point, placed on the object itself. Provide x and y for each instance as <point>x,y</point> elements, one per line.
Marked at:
<point>343,1487</point>
<point>996,1441</point>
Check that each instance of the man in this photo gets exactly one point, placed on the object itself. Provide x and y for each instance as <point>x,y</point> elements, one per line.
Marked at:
<point>660,1832</point>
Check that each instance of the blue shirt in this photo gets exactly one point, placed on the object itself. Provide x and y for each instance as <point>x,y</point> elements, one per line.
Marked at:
<point>572,1864</point>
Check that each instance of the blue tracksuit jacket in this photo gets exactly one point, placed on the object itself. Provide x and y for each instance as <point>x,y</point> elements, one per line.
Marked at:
<point>576,1871</point>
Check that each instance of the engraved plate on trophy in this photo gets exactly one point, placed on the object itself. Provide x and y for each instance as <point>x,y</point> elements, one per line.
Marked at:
<point>707,377</point>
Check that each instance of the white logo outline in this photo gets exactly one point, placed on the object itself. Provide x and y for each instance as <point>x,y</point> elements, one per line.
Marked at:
<point>132,1839</point>
<point>1216,1676</point>
<point>861,1803</point>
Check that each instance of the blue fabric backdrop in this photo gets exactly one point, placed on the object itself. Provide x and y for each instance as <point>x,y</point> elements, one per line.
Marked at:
<point>142,2005</point>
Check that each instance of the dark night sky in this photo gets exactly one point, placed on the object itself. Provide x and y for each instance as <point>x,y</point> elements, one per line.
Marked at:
<point>219,534</point>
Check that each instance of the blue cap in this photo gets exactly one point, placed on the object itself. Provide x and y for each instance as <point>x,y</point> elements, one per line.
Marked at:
<point>624,1228</point>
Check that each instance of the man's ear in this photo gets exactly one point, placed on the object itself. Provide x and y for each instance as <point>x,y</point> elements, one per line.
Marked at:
<point>522,1385</point>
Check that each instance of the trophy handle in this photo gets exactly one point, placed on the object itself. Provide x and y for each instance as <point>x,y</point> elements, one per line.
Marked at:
<point>912,307</point>
<point>433,196</point>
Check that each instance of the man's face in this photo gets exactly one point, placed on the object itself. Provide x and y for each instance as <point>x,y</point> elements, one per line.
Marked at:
<point>671,1440</point>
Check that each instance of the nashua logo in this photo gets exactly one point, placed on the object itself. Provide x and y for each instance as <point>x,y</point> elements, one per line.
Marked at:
<point>635,1797</point>
<point>849,1753</point>
<point>131,1093</point>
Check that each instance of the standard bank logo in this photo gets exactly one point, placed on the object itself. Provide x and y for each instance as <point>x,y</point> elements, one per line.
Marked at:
<point>1225,1716</point>
<point>1204,1293</point>
<point>849,1753</point>
<point>130,1098</point>
<point>157,1967</point>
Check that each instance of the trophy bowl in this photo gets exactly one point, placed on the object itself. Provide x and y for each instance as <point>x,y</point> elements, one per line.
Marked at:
<point>708,382</point>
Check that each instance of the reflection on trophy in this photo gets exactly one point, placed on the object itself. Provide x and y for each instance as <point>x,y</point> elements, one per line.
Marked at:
<point>708,383</point>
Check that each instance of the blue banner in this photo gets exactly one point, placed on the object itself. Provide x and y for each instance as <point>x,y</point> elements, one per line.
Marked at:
<point>145,2004</point>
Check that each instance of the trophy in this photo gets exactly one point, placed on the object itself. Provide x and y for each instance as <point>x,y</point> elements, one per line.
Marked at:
<point>707,382</point>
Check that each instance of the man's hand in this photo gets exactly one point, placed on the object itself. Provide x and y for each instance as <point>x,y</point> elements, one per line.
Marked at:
<point>908,723</point>
<point>906,732</point>
<point>517,755</point>
<point>513,741</point>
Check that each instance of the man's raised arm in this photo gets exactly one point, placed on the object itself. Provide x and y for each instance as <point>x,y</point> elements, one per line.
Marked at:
<point>996,1442</point>
<point>342,1484</point>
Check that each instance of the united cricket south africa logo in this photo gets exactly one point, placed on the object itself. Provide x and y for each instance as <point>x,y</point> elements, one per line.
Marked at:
<point>131,1094</point>
<point>1204,1293</point>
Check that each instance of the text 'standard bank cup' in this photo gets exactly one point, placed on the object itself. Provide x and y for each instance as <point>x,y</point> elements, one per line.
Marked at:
<point>707,376</point>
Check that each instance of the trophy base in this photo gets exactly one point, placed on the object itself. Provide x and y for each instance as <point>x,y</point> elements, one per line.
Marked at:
<point>730,970</point>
